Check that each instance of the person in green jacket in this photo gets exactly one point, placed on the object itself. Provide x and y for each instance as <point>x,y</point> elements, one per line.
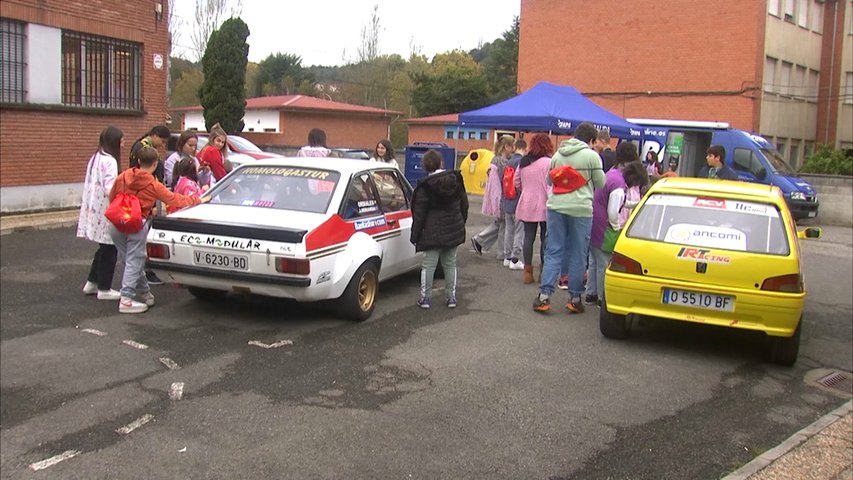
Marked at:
<point>575,173</point>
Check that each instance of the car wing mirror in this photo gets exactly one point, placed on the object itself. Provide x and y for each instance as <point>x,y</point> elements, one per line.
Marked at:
<point>810,232</point>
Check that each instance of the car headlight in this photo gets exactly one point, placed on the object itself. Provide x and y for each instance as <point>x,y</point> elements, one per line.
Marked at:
<point>798,196</point>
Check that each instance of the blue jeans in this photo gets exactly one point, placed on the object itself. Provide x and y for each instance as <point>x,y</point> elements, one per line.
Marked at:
<point>598,260</point>
<point>567,238</point>
<point>447,256</point>
<point>131,247</point>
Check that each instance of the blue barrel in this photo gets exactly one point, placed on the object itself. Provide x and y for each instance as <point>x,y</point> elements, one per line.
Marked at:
<point>414,170</point>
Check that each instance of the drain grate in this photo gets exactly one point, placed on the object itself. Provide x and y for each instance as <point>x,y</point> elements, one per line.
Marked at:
<point>840,381</point>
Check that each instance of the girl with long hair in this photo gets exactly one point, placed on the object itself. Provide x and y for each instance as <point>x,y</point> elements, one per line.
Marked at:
<point>531,179</point>
<point>101,173</point>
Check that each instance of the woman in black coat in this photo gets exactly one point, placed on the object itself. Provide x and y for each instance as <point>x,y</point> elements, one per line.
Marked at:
<point>439,213</point>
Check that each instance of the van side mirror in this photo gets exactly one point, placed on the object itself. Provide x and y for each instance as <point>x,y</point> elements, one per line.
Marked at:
<point>810,232</point>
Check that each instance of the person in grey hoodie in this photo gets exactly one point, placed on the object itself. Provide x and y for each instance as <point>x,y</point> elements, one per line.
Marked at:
<point>513,229</point>
<point>575,174</point>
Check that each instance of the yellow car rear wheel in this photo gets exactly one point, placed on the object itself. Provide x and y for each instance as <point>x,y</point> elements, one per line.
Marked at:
<point>610,324</point>
<point>784,350</point>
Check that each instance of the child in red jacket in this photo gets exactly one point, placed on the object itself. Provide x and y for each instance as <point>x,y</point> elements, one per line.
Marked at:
<point>136,295</point>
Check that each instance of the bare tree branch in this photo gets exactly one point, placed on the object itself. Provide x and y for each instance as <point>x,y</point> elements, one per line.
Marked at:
<point>369,48</point>
<point>209,15</point>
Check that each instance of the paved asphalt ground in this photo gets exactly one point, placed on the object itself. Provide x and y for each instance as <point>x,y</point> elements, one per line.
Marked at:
<point>489,390</point>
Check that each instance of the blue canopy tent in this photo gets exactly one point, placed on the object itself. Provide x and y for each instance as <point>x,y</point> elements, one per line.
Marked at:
<point>547,107</point>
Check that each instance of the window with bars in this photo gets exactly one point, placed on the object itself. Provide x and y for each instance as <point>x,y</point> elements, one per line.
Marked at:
<point>13,64</point>
<point>100,72</point>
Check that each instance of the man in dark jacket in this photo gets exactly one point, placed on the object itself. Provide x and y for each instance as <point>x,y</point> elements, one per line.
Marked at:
<point>717,168</point>
<point>439,213</point>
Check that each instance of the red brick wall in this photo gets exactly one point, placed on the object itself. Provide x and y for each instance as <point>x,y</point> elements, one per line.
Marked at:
<point>435,134</point>
<point>352,131</point>
<point>47,147</point>
<point>830,86</point>
<point>648,46</point>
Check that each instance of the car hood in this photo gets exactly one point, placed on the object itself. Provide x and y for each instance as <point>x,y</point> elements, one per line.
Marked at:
<point>252,216</point>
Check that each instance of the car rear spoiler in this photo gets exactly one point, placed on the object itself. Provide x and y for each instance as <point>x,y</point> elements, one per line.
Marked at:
<point>228,229</point>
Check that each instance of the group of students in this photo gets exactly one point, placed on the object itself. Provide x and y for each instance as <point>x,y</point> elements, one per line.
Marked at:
<point>578,198</point>
<point>567,195</point>
<point>177,183</point>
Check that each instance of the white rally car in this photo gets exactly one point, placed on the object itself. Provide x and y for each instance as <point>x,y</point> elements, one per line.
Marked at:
<point>303,228</point>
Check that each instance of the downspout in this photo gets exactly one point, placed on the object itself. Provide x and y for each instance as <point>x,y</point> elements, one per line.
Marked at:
<point>831,70</point>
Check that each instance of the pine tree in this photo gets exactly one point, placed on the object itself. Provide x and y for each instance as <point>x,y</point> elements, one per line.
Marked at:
<point>223,93</point>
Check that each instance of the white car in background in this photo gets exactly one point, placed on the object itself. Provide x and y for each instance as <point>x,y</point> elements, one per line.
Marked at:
<point>308,229</point>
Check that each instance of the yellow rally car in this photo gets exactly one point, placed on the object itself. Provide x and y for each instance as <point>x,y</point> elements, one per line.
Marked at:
<point>710,251</point>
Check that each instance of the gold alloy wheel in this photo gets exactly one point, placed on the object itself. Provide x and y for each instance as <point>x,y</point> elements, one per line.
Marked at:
<point>367,290</point>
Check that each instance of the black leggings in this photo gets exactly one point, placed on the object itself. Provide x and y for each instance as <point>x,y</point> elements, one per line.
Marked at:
<point>103,266</point>
<point>529,237</point>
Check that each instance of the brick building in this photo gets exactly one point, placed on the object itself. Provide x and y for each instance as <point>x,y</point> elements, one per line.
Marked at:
<point>68,69</point>
<point>783,68</point>
<point>283,122</point>
<point>446,129</point>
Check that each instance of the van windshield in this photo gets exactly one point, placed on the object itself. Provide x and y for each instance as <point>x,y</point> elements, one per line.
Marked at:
<point>778,162</point>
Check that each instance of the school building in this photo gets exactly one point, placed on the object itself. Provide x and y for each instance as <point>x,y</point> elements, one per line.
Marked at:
<point>782,68</point>
<point>68,69</point>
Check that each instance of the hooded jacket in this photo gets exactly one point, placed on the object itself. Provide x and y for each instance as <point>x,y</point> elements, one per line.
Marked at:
<point>579,156</point>
<point>439,211</point>
<point>148,190</point>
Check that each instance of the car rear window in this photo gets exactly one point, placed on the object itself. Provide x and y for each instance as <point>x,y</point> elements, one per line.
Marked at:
<point>711,222</point>
<point>286,188</point>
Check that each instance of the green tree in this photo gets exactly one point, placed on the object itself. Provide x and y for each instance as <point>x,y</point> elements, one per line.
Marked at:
<point>222,93</point>
<point>453,83</point>
<point>185,89</point>
<point>500,64</point>
<point>281,74</point>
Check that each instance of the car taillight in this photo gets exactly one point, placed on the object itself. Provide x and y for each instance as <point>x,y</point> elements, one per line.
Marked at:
<point>792,283</point>
<point>158,250</point>
<point>292,265</point>
<point>623,264</point>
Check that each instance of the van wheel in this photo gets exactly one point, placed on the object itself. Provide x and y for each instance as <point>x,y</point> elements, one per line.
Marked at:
<point>784,350</point>
<point>359,298</point>
<point>610,324</point>
<point>207,294</point>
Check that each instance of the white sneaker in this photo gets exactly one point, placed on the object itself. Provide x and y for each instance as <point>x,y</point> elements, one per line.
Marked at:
<point>90,288</point>
<point>108,294</point>
<point>148,299</point>
<point>129,305</point>
<point>518,265</point>
<point>506,262</point>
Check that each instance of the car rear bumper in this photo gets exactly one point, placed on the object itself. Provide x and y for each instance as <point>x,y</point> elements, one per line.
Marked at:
<point>293,287</point>
<point>775,313</point>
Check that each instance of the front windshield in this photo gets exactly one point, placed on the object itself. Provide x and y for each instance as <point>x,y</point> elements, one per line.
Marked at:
<point>243,145</point>
<point>778,162</point>
<point>286,188</point>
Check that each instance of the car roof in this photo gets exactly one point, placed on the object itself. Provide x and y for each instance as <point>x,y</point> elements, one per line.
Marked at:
<point>346,166</point>
<point>718,188</point>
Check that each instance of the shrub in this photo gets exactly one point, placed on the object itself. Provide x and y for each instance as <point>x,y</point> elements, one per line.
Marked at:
<point>829,161</point>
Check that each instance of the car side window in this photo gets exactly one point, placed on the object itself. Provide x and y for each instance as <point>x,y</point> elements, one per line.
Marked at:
<point>361,199</point>
<point>392,197</point>
<point>745,161</point>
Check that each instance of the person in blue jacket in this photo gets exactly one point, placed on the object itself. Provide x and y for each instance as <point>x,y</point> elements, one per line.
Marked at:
<point>717,168</point>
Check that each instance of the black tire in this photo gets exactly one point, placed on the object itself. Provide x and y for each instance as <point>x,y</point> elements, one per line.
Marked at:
<point>359,299</point>
<point>784,350</point>
<point>610,324</point>
<point>207,294</point>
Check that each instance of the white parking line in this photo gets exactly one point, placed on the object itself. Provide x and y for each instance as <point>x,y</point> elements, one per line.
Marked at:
<point>176,391</point>
<point>169,363</point>
<point>277,344</point>
<point>94,332</point>
<point>134,344</point>
<point>54,460</point>
<point>135,424</point>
